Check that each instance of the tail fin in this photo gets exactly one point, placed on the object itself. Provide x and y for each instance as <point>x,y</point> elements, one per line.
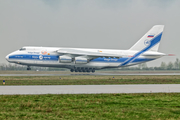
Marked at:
<point>151,39</point>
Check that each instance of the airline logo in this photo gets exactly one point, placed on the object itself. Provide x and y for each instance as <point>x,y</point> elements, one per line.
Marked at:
<point>44,52</point>
<point>146,42</point>
<point>40,57</point>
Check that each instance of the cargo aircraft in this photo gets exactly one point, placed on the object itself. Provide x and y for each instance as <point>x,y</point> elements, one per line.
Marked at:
<point>89,60</point>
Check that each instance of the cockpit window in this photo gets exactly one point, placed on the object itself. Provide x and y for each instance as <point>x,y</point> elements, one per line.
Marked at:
<point>22,49</point>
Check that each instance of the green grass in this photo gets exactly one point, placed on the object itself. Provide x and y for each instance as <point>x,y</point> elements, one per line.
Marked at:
<point>88,80</point>
<point>159,106</point>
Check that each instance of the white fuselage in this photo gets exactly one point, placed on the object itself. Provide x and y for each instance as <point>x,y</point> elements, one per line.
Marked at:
<point>49,57</point>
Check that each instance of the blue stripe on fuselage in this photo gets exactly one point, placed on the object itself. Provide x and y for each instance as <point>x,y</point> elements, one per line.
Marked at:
<point>120,60</point>
<point>34,57</point>
<point>56,57</point>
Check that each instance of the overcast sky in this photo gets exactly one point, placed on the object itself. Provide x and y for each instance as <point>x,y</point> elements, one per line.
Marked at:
<point>110,24</point>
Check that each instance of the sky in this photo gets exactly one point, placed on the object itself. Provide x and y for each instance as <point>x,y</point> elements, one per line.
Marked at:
<point>108,24</point>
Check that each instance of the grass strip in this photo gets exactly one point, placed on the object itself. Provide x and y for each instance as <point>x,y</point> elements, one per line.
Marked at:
<point>88,80</point>
<point>152,106</point>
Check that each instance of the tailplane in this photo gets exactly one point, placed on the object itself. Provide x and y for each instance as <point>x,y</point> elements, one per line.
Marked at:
<point>150,40</point>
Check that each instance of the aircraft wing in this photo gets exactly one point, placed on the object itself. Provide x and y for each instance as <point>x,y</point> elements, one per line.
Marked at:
<point>89,54</point>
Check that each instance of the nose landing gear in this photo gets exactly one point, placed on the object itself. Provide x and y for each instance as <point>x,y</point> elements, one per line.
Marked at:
<point>28,68</point>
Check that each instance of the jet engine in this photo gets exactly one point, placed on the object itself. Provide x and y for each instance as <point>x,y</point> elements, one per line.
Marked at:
<point>65,59</point>
<point>81,60</point>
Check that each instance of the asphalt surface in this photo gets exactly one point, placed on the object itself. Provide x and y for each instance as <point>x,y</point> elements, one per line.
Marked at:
<point>89,89</point>
<point>91,74</point>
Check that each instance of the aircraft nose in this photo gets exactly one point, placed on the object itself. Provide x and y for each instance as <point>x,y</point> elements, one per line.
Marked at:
<point>7,57</point>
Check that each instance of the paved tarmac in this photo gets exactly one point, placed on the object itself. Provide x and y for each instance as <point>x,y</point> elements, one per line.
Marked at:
<point>91,74</point>
<point>89,89</point>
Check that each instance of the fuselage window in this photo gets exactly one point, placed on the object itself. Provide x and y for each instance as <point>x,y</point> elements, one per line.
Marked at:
<point>22,49</point>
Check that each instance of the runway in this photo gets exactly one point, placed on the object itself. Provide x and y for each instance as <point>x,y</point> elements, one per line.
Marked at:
<point>91,74</point>
<point>89,89</point>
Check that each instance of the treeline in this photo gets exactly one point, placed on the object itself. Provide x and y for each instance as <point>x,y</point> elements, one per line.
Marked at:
<point>164,66</point>
<point>143,66</point>
<point>17,67</point>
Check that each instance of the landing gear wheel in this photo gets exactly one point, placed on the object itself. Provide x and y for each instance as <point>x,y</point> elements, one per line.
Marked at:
<point>93,71</point>
<point>72,70</point>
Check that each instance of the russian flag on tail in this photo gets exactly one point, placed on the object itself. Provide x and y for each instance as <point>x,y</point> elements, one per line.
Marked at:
<point>150,36</point>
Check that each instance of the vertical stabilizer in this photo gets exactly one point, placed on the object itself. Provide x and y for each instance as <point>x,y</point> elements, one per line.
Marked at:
<point>151,39</point>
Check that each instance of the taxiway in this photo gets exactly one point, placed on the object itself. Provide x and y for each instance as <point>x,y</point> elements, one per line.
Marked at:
<point>89,89</point>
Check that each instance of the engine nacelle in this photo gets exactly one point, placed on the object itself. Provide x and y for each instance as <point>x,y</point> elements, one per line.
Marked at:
<point>65,59</point>
<point>81,60</point>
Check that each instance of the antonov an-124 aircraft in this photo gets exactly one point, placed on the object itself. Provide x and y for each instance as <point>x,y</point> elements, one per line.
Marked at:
<point>89,60</point>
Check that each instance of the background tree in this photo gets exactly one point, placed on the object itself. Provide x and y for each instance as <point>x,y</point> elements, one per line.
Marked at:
<point>176,64</point>
<point>170,66</point>
<point>140,66</point>
<point>163,66</point>
<point>144,66</point>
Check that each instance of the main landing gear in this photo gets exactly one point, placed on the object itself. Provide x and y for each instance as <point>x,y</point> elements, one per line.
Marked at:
<point>82,70</point>
<point>28,68</point>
